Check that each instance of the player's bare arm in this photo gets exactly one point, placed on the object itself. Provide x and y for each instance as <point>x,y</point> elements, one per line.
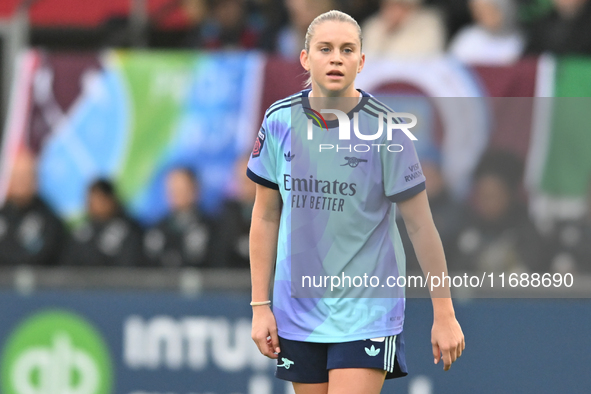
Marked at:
<point>263,251</point>
<point>446,335</point>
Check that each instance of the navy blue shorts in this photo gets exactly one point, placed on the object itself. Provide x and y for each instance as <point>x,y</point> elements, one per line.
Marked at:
<point>309,362</point>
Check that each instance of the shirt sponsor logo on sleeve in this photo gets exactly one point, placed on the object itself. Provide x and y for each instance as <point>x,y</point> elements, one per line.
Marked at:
<point>416,172</point>
<point>259,143</point>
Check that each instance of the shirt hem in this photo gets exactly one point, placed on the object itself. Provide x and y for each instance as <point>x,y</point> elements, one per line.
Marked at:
<point>260,180</point>
<point>340,339</point>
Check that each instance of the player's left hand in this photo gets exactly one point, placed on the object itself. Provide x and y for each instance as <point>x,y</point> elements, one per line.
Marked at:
<point>448,341</point>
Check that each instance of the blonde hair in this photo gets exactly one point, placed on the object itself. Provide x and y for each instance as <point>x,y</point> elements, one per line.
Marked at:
<point>333,15</point>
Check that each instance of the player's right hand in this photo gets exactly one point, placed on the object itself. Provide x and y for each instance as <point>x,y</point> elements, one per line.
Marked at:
<point>264,331</point>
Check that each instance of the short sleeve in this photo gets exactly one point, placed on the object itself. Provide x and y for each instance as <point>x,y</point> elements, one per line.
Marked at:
<point>263,162</point>
<point>403,175</point>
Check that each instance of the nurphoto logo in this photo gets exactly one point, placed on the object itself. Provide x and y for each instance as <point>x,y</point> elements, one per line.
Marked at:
<point>393,122</point>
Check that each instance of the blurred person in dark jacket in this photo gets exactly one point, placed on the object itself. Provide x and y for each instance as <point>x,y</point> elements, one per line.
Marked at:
<point>456,14</point>
<point>360,10</point>
<point>235,220</point>
<point>497,234</point>
<point>569,243</point>
<point>228,26</point>
<point>107,237</point>
<point>290,39</point>
<point>566,30</point>
<point>30,233</point>
<point>195,13</point>
<point>182,238</point>
<point>446,212</point>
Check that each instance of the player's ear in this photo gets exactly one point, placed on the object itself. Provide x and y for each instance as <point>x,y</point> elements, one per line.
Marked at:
<point>304,60</point>
<point>361,63</point>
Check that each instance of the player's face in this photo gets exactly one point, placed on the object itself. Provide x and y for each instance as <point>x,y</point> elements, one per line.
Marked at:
<point>334,59</point>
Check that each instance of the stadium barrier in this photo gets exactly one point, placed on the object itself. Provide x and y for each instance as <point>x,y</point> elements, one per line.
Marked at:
<point>134,331</point>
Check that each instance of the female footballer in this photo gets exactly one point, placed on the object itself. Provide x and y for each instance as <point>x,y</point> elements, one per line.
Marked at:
<point>332,212</point>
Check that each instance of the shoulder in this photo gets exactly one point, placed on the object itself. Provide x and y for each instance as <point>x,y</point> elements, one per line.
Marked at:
<point>376,104</point>
<point>374,107</point>
<point>281,109</point>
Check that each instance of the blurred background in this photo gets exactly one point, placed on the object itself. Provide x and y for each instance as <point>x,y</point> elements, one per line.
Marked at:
<point>125,210</point>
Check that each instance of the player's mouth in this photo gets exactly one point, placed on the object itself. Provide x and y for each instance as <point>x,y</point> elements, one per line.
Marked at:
<point>335,74</point>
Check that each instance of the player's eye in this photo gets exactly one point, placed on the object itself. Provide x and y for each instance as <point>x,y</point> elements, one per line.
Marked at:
<point>348,50</point>
<point>325,49</point>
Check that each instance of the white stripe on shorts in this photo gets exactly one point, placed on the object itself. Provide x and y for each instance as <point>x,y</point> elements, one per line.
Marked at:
<point>390,353</point>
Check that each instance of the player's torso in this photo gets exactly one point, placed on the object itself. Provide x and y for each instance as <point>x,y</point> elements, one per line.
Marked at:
<point>336,217</point>
<point>339,180</point>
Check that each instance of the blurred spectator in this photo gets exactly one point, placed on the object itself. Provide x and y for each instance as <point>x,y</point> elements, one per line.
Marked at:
<point>494,38</point>
<point>195,11</point>
<point>530,10</point>
<point>183,237</point>
<point>403,28</point>
<point>456,14</point>
<point>566,30</point>
<point>273,16</point>
<point>446,212</point>
<point>30,233</point>
<point>235,221</point>
<point>360,10</point>
<point>569,244</point>
<point>290,39</point>
<point>107,237</point>
<point>497,234</point>
<point>228,26</point>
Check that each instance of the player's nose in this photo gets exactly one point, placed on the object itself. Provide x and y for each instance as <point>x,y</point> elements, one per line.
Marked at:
<point>336,59</point>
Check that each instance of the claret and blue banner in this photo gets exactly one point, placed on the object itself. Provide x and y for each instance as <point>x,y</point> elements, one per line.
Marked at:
<point>132,115</point>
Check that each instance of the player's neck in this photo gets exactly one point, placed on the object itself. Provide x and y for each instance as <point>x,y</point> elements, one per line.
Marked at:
<point>318,92</point>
